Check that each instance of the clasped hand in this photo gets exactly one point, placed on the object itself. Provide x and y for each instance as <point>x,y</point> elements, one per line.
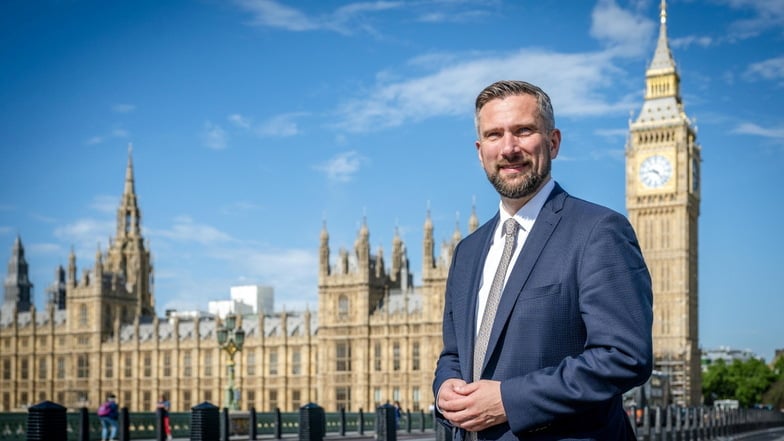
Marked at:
<point>472,406</point>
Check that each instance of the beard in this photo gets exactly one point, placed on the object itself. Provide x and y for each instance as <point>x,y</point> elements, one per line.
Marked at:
<point>528,186</point>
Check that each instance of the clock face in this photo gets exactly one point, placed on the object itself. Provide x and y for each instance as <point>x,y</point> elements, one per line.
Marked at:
<point>655,171</point>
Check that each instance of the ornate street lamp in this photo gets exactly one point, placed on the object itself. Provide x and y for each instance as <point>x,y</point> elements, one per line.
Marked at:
<point>230,338</point>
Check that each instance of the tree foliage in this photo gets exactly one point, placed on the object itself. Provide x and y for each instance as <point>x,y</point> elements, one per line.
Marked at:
<point>744,381</point>
<point>775,394</point>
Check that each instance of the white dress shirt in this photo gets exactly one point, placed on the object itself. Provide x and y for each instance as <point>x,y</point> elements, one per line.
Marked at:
<point>525,217</point>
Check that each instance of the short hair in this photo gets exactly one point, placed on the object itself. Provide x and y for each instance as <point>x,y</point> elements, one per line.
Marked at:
<point>506,88</point>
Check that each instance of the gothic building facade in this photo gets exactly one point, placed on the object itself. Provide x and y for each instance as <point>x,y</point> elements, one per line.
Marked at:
<point>663,204</point>
<point>376,341</point>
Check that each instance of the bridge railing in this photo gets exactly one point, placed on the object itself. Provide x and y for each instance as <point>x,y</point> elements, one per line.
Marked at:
<point>84,425</point>
<point>703,423</point>
<point>650,423</point>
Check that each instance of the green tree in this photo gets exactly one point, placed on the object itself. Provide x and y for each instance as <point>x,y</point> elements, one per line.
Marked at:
<point>716,384</point>
<point>753,378</point>
<point>744,381</point>
<point>775,394</point>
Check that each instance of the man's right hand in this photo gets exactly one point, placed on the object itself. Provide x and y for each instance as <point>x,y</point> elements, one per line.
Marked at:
<point>449,401</point>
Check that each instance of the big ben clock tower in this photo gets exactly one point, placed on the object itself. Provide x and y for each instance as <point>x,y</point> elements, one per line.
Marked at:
<point>663,203</point>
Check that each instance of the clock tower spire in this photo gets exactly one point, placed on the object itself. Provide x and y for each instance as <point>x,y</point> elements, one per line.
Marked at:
<point>663,202</point>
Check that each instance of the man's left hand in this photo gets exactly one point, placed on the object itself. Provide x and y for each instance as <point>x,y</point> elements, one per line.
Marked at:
<point>482,406</point>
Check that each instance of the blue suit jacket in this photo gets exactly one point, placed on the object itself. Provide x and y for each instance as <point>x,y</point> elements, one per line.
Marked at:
<point>573,328</point>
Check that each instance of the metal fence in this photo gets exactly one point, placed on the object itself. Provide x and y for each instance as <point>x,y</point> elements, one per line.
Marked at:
<point>144,425</point>
<point>650,424</point>
<point>674,423</point>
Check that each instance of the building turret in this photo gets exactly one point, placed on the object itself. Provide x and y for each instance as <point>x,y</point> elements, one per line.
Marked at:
<point>128,255</point>
<point>324,252</point>
<point>473,221</point>
<point>456,235</point>
<point>379,264</point>
<point>428,245</point>
<point>72,281</point>
<point>362,249</point>
<point>128,215</point>
<point>98,270</point>
<point>397,249</point>
<point>56,291</point>
<point>18,288</point>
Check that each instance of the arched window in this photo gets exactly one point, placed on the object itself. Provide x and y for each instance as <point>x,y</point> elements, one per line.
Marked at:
<point>83,316</point>
<point>343,306</point>
<point>343,356</point>
<point>82,366</point>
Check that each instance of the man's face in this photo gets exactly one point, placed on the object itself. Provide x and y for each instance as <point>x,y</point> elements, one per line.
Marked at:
<point>513,147</point>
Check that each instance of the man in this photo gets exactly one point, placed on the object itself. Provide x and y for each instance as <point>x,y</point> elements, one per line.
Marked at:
<point>109,413</point>
<point>568,327</point>
<point>165,405</point>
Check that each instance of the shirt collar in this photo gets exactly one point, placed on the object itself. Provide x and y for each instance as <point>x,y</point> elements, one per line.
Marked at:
<point>526,215</point>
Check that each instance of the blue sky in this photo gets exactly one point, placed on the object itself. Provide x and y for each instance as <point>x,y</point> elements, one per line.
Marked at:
<point>254,121</point>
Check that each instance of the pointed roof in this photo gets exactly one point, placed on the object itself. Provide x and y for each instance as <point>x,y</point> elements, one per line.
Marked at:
<point>663,104</point>
<point>17,284</point>
<point>129,214</point>
<point>662,61</point>
<point>473,221</point>
<point>129,185</point>
<point>324,232</point>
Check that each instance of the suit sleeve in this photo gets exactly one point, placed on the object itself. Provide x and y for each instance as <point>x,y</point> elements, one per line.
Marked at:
<point>614,294</point>
<point>448,364</point>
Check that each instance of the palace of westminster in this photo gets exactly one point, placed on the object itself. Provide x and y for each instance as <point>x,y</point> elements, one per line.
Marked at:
<point>375,337</point>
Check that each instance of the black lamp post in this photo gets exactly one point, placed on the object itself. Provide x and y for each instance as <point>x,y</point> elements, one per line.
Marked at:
<point>230,339</point>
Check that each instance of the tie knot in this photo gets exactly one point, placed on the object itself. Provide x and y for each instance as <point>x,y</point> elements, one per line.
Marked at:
<point>510,227</point>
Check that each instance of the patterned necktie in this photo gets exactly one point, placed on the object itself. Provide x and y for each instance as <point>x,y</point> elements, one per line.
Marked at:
<point>494,297</point>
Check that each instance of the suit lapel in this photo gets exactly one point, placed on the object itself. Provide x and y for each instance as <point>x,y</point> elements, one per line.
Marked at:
<point>544,226</point>
<point>485,241</point>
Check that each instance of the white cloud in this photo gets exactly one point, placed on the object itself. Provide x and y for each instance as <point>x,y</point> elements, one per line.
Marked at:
<point>764,15</point>
<point>358,16</point>
<point>691,40</point>
<point>85,231</point>
<point>621,30</point>
<point>45,249</point>
<point>214,136</point>
<point>123,108</point>
<point>105,203</point>
<point>449,16</point>
<point>754,129</point>
<point>292,272</point>
<point>87,235</point>
<point>772,69</point>
<point>240,207</point>
<point>185,229</point>
<point>44,218</point>
<point>601,154</point>
<point>273,14</point>
<point>574,82</point>
<point>117,132</point>
<point>612,133</point>
<point>280,125</point>
<point>342,167</point>
<point>239,121</point>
